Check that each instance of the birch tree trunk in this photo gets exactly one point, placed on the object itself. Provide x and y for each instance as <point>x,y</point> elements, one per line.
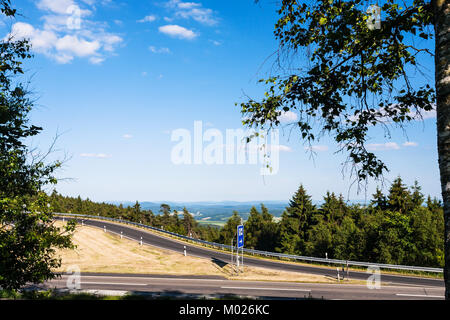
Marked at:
<point>442,56</point>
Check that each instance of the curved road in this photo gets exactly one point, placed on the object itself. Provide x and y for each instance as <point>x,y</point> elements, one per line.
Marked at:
<point>220,257</point>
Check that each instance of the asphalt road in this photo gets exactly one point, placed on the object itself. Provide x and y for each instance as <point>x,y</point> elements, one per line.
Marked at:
<point>189,286</point>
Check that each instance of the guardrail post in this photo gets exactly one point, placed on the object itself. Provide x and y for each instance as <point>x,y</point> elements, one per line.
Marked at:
<point>141,241</point>
<point>242,260</point>
<point>232,253</point>
<point>337,269</point>
<point>347,271</point>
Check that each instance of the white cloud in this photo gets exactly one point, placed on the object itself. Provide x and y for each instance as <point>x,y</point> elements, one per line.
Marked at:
<point>110,41</point>
<point>201,15</point>
<point>410,144</point>
<point>76,46</point>
<point>127,136</point>
<point>317,148</point>
<point>287,117</point>
<point>149,18</point>
<point>62,40</point>
<point>22,30</point>
<point>215,42</point>
<point>96,60</point>
<point>382,146</point>
<point>193,10</point>
<point>63,58</point>
<point>57,23</point>
<point>159,50</point>
<point>177,31</point>
<point>63,7</point>
<point>41,41</point>
<point>56,6</point>
<point>188,5</point>
<point>95,155</point>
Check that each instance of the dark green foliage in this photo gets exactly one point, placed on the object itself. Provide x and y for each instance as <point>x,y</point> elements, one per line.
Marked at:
<point>395,228</point>
<point>261,232</point>
<point>379,200</point>
<point>228,232</point>
<point>189,224</point>
<point>399,198</point>
<point>295,222</point>
<point>28,237</point>
<point>343,77</point>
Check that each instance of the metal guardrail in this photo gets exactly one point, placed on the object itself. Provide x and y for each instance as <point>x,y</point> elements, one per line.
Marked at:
<point>263,253</point>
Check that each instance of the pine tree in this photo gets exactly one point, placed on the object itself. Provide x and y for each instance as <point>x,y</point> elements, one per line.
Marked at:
<point>269,235</point>
<point>137,215</point>
<point>295,222</point>
<point>189,224</point>
<point>417,197</point>
<point>165,218</point>
<point>253,228</point>
<point>399,198</point>
<point>333,208</point>
<point>434,205</point>
<point>228,232</point>
<point>379,200</point>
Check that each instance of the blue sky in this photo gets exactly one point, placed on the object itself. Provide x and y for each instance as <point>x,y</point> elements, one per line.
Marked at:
<point>117,78</point>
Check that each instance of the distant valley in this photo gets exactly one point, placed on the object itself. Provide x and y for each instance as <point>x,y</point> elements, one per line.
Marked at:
<point>216,213</point>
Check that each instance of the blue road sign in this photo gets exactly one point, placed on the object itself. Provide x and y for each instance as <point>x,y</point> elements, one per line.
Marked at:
<point>240,236</point>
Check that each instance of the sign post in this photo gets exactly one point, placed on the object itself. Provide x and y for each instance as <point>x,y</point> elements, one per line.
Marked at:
<point>240,244</point>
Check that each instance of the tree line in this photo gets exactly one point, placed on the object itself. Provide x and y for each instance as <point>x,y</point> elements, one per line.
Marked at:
<point>400,227</point>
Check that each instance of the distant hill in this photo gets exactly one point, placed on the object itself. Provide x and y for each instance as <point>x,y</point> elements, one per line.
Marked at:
<point>214,211</point>
<point>219,211</point>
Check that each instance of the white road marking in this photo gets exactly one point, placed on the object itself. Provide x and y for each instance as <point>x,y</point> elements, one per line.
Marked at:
<point>418,295</point>
<point>146,278</point>
<point>274,289</point>
<point>115,283</point>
